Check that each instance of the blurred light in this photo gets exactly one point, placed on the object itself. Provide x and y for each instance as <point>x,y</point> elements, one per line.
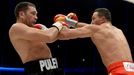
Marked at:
<point>83,59</point>
<point>130,1</point>
<point>7,69</point>
<point>58,46</point>
<point>88,69</point>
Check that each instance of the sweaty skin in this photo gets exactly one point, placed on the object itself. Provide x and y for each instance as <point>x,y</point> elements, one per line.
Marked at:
<point>109,40</point>
<point>29,42</point>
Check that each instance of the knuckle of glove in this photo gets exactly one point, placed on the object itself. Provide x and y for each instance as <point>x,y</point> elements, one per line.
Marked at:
<point>72,16</point>
<point>59,17</point>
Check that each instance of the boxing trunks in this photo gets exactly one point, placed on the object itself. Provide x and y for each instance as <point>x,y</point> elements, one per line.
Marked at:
<point>121,68</point>
<point>43,67</point>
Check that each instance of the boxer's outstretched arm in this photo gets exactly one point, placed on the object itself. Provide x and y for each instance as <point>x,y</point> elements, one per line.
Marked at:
<point>80,24</point>
<point>82,32</point>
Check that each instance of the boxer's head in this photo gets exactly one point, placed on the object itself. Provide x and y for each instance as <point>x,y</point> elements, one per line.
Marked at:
<point>26,12</point>
<point>101,15</point>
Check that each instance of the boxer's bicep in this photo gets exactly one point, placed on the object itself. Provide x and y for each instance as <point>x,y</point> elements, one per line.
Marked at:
<point>84,32</point>
<point>29,33</point>
<point>26,33</point>
<point>49,35</point>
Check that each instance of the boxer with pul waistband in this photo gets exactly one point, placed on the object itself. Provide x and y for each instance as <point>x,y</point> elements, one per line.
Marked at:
<point>30,41</point>
<point>43,66</point>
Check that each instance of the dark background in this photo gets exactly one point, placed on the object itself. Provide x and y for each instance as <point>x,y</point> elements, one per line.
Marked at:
<point>78,56</point>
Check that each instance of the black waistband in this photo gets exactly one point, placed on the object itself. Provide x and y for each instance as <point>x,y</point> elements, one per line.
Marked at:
<point>41,65</point>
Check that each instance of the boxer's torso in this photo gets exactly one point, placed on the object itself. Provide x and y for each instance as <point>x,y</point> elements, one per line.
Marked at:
<point>111,44</point>
<point>29,49</point>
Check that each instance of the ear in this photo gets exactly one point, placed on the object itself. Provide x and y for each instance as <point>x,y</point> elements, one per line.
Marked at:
<point>21,13</point>
<point>103,19</point>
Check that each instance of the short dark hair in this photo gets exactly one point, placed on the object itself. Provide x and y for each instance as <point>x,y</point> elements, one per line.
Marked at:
<point>22,6</point>
<point>104,12</point>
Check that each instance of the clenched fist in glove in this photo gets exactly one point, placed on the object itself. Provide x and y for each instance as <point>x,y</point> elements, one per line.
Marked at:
<point>62,18</point>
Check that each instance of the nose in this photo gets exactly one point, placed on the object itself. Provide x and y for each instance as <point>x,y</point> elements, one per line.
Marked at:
<point>36,17</point>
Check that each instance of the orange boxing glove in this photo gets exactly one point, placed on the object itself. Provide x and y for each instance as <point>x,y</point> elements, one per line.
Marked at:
<point>59,17</point>
<point>62,18</point>
<point>72,16</point>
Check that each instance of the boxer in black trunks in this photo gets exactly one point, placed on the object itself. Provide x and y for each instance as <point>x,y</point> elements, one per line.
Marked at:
<point>30,41</point>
